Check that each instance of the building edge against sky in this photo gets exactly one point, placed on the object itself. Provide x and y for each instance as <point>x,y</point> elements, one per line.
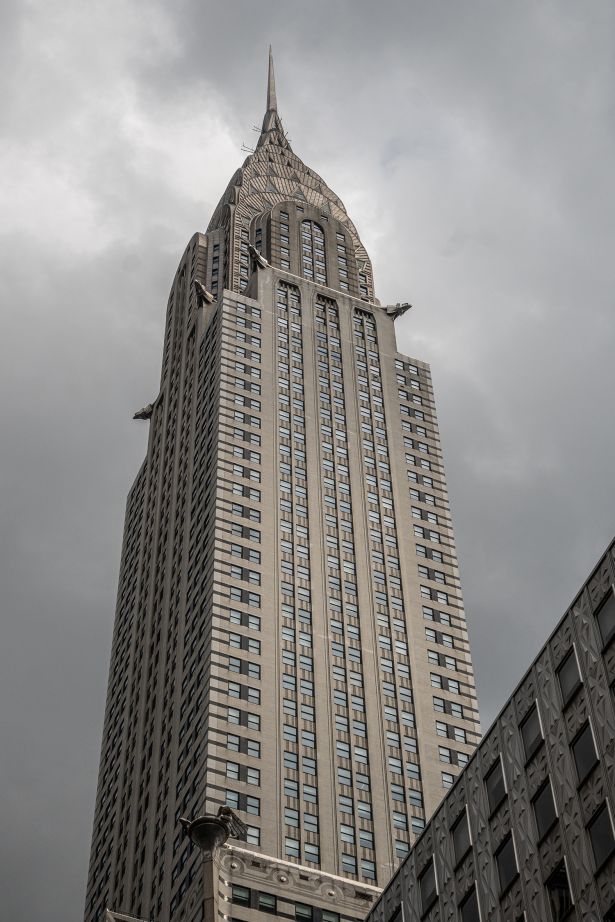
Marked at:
<point>526,833</point>
<point>289,638</point>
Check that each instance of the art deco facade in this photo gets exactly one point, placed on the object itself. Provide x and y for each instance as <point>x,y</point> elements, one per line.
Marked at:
<point>526,833</point>
<point>290,637</point>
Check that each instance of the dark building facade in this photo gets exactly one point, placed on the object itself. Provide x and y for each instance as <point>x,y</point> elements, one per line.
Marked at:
<point>526,832</point>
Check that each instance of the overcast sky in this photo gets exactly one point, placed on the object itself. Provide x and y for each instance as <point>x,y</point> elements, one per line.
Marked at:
<point>473,145</point>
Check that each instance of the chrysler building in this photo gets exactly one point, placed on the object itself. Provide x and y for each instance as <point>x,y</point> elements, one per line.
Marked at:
<point>289,640</point>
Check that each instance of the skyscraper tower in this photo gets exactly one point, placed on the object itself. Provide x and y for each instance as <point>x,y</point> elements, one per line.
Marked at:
<point>289,637</point>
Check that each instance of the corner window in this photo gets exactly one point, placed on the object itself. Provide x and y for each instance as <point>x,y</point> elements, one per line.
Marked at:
<point>558,893</point>
<point>569,678</point>
<point>544,809</point>
<point>605,616</point>
<point>584,752</point>
<point>427,886</point>
<point>531,733</point>
<point>496,788</point>
<point>507,863</point>
<point>600,831</point>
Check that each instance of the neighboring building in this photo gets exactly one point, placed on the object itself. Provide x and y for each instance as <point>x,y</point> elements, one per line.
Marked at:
<point>526,833</point>
<point>289,638</point>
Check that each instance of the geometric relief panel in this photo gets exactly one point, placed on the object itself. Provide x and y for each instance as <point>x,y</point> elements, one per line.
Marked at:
<point>561,642</point>
<point>525,695</point>
<point>464,876</point>
<point>512,904</point>
<point>500,823</point>
<point>536,771</point>
<point>551,851</point>
<point>599,584</point>
<point>592,793</point>
<point>576,713</point>
<point>605,884</point>
<point>609,662</point>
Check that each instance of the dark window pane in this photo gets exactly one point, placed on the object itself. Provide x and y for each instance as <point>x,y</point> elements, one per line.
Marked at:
<point>531,733</point>
<point>584,752</point>
<point>328,916</point>
<point>267,902</point>
<point>606,618</point>
<point>240,895</point>
<point>601,835</point>
<point>558,891</point>
<point>461,837</point>
<point>468,911</point>
<point>494,782</point>
<point>304,912</point>
<point>427,885</point>
<point>544,809</point>
<point>569,678</point>
<point>507,863</point>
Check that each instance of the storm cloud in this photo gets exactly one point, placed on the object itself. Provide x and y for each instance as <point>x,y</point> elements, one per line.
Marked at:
<point>473,145</point>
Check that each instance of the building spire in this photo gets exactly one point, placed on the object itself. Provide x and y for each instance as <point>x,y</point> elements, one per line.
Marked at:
<point>272,103</point>
<point>272,131</point>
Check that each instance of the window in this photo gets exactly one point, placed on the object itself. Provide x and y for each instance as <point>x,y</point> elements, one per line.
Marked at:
<point>427,886</point>
<point>605,616</point>
<point>584,752</point>
<point>558,893</point>
<point>461,837</point>
<point>349,864</point>
<point>313,252</point>
<point>311,852</point>
<point>253,835</point>
<point>291,817</point>
<point>368,869</point>
<point>399,820</point>
<point>569,678</point>
<point>291,847</point>
<point>494,783</point>
<point>401,848</point>
<point>544,809</point>
<point>267,902</point>
<point>253,805</point>
<point>531,733</point>
<point>507,863</point>
<point>468,909</point>
<point>240,895</point>
<point>601,835</point>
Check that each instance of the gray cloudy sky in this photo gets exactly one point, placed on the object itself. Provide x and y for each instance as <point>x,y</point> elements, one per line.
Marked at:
<point>473,144</point>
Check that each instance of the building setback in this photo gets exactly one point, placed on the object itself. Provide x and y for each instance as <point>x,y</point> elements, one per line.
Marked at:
<point>290,638</point>
<point>526,832</point>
